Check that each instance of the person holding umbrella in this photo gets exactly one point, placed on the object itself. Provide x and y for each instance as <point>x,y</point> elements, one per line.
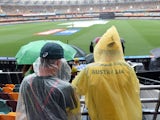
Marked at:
<point>64,73</point>
<point>44,96</point>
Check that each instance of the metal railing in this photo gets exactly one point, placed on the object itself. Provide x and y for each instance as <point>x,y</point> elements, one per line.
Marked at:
<point>154,108</point>
<point>148,81</point>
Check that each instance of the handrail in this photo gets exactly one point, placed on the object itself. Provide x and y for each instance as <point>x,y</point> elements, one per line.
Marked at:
<point>151,100</point>
<point>156,110</point>
<point>149,87</point>
<point>149,79</point>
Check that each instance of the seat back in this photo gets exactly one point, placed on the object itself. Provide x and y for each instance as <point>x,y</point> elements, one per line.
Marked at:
<point>4,108</point>
<point>4,96</point>
<point>9,116</point>
<point>12,104</point>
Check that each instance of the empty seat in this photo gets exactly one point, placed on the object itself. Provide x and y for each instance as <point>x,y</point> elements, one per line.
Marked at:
<point>17,85</point>
<point>13,95</point>
<point>4,96</point>
<point>1,90</point>
<point>7,89</point>
<point>16,88</point>
<point>4,108</point>
<point>12,104</point>
<point>9,85</point>
<point>9,116</point>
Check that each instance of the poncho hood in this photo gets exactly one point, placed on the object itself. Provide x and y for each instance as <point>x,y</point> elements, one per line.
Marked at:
<point>109,47</point>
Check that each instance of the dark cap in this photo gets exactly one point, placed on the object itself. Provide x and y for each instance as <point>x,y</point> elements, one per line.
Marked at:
<point>52,50</point>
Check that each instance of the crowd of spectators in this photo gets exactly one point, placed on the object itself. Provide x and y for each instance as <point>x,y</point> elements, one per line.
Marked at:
<point>44,12</point>
<point>86,7</point>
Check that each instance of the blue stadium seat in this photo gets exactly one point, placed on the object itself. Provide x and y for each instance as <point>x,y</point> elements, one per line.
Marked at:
<point>4,107</point>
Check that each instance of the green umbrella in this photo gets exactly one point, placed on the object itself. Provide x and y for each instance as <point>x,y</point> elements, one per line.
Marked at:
<point>31,51</point>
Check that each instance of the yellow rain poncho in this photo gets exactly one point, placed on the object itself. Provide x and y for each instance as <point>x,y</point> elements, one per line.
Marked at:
<point>110,85</point>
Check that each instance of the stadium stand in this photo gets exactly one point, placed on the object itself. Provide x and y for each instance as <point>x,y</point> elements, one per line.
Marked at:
<point>22,11</point>
<point>49,10</point>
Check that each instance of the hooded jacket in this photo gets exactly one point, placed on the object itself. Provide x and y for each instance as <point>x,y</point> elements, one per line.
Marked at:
<point>110,85</point>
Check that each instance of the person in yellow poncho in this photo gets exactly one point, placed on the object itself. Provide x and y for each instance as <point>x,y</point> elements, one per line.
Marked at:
<point>109,84</point>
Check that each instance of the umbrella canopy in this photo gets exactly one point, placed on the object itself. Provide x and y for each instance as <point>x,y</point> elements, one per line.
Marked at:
<point>79,51</point>
<point>31,51</point>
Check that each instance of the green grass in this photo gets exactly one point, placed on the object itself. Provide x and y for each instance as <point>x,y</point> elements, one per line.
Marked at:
<point>140,35</point>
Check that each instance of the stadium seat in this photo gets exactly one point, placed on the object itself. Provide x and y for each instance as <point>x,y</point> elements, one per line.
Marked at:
<point>4,96</point>
<point>4,108</point>
<point>12,104</point>
<point>9,116</point>
<point>7,89</point>
<point>10,85</point>
<point>13,95</point>
<point>1,90</point>
<point>16,89</point>
<point>17,85</point>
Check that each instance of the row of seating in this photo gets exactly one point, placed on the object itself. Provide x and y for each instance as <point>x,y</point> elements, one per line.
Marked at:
<point>7,106</point>
<point>7,88</point>
<point>8,101</point>
<point>9,96</point>
<point>9,116</point>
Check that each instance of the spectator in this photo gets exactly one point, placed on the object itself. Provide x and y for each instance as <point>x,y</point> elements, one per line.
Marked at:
<point>109,84</point>
<point>122,43</point>
<point>155,60</point>
<point>91,47</point>
<point>64,73</point>
<point>93,43</point>
<point>154,64</point>
<point>44,96</point>
<point>90,58</point>
<point>74,69</point>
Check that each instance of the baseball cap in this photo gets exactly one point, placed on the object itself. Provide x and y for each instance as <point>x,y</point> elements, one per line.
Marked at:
<point>52,50</point>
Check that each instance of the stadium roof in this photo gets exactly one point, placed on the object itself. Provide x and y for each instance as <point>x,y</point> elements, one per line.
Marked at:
<point>65,2</point>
